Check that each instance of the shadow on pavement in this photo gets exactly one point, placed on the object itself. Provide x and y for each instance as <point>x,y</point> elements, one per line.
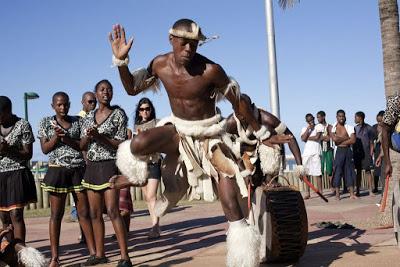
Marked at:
<point>334,243</point>
<point>145,212</point>
<point>177,238</point>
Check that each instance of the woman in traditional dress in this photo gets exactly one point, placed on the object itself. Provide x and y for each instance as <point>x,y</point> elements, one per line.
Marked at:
<point>60,139</point>
<point>17,185</point>
<point>102,131</point>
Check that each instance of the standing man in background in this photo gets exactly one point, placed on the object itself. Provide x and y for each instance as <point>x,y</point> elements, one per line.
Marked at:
<point>88,104</point>
<point>363,151</point>
<point>326,148</point>
<point>311,135</point>
<point>344,137</point>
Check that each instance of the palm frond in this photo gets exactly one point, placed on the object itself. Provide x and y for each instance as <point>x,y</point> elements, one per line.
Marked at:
<point>287,3</point>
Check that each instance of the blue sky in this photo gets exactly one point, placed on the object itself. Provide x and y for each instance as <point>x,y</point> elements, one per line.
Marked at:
<point>328,52</point>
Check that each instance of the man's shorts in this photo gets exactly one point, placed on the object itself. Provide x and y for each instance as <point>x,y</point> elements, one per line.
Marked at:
<point>327,162</point>
<point>312,164</point>
<point>364,163</point>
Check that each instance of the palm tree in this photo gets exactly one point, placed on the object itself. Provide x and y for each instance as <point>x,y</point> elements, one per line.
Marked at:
<point>389,19</point>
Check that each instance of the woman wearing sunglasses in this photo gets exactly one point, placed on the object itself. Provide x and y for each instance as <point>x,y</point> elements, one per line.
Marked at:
<point>145,118</point>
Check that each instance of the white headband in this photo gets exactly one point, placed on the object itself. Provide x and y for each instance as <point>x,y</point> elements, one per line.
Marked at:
<point>195,34</point>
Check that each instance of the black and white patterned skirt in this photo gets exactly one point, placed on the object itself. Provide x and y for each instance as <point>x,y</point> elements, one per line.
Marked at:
<point>98,174</point>
<point>17,189</point>
<point>60,179</point>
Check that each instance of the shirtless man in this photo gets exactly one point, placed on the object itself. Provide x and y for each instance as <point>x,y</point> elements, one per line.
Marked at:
<point>194,129</point>
<point>344,136</point>
<point>262,162</point>
<point>269,155</point>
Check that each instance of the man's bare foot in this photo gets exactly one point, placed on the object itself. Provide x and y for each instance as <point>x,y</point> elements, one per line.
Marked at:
<point>54,262</point>
<point>337,198</point>
<point>371,194</point>
<point>353,197</point>
<point>121,181</point>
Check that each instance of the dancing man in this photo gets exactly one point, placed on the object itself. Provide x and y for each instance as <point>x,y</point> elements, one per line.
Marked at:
<point>194,130</point>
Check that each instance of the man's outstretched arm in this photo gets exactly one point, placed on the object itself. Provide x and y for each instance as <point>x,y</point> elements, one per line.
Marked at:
<point>138,81</point>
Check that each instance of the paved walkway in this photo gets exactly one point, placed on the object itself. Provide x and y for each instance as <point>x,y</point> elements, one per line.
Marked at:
<point>194,235</point>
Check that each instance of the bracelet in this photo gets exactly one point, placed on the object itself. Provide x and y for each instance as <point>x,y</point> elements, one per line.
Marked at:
<point>118,62</point>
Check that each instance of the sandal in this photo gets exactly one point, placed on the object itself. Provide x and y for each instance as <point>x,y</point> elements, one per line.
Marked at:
<point>94,260</point>
<point>124,263</point>
<point>154,233</point>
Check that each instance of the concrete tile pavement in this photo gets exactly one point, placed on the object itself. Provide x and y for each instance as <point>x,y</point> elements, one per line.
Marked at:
<point>194,235</point>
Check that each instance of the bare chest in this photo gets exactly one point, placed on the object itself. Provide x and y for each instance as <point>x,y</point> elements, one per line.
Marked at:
<point>186,86</point>
<point>341,131</point>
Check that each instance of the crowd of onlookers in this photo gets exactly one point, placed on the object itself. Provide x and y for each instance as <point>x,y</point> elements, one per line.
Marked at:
<point>343,152</point>
<point>81,154</point>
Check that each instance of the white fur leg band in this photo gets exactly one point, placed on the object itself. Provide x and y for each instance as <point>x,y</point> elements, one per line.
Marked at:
<point>299,171</point>
<point>118,62</point>
<point>243,243</point>
<point>131,166</point>
<point>262,133</point>
<point>31,257</point>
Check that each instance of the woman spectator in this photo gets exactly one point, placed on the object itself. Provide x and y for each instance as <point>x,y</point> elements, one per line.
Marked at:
<point>145,118</point>
<point>59,139</point>
<point>102,131</point>
<point>17,185</point>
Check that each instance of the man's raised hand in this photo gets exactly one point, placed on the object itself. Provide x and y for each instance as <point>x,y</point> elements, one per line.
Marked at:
<point>118,42</point>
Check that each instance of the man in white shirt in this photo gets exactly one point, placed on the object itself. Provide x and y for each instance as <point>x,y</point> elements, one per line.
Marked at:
<point>344,137</point>
<point>311,135</point>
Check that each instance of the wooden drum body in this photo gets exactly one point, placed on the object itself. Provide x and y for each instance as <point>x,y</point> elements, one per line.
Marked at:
<point>280,215</point>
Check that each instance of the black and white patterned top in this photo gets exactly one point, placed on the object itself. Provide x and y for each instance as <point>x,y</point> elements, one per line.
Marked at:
<point>62,154</point>
<point>21,134</point>
<point>114,127</point>
<point>392,112</point>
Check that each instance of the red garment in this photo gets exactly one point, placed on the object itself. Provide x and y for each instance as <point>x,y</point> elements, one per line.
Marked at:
<point>125,200</point>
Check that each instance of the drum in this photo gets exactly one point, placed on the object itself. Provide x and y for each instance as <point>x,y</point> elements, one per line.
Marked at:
<point>280,215</point>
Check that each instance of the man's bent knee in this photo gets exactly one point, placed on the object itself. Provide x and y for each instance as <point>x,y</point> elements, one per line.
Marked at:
<point>139,144</point>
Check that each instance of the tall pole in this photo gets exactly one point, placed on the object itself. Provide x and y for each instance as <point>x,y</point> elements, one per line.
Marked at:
<point>273,73</point>
<point>26,105</point>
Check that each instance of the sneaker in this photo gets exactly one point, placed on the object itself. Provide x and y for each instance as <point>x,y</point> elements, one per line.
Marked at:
<point>124,263</point>
<point>93,260</point>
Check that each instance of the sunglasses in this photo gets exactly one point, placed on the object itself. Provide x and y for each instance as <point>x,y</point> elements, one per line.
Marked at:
<point>92,101</point>
<point>144,109</point>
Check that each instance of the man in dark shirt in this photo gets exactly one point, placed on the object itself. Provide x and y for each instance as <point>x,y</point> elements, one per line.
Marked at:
<point>363,150</point>
<point>377,149</point>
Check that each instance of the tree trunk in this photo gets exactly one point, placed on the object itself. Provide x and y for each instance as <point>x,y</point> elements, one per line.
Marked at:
<point>389,18</point>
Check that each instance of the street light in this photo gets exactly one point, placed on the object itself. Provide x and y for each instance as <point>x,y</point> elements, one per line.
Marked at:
<point>28,96</point>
